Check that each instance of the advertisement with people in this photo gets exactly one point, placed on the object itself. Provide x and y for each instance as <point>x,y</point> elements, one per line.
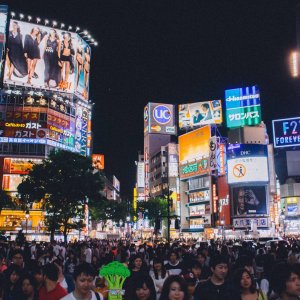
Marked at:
<point>40,56</point>
<point>193,115</point>
<point>249,200</point>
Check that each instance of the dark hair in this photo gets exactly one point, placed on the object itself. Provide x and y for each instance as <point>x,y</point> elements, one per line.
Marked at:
<point>196,264</point>
<point>218,259</point>
<point>133,258</point>
<point>158,260</point>
<point>206,105</point>
<point>139,282</point>
<point>32,281</point>
<point>17,251</point>
<point>173,252</point>
<point>167,284</point>
<point>237,277</point>
<point>85,269</point>
<point>13,268</point>
<point>51,271</point>
<point>280,275</point>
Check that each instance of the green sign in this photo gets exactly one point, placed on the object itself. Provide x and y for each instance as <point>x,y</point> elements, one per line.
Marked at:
<point>243,116</point>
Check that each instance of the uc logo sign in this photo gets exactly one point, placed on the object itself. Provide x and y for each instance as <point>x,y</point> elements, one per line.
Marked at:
<point>162,114</point>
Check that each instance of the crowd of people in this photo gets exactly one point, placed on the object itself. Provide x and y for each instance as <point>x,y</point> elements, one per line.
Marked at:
<point>216,270</point>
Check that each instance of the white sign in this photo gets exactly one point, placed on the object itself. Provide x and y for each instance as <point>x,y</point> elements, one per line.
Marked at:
<point>141,175</point>
<point>250,223</point>
<point>248,169</point>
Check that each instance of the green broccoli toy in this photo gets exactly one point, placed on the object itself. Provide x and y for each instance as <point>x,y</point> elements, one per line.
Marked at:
<point>115,274</point>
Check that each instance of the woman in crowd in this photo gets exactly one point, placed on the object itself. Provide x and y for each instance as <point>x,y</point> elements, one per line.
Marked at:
<point>143,289</point>
<point>86,70</point>
<point>12,284</point>
<point>71,263</point>
<point>175,288</point>
<point>29,288</point>
<point>159,275</point>
<point>245,285</point>
<point>79,64</point>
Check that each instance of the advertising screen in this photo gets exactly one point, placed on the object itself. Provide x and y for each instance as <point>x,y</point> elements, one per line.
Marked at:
<point>81,124</point>
<point>19,165</point>
<point>194,152</point>
<point>286,132</point>
<point>243,107</point>
<point>247,163</point>
<point>249,200</point>
<point>3,21</point>
<point>10,182</point>
<point>98,161</point>
<point>46,57</point>
<point>198,114</point>
<point>159,118</point>
<point>116,183</point>
<point>248,222</point>
<point>141,174</point>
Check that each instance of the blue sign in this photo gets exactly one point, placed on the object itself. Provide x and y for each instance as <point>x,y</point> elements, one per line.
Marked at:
<point>162,114</point>
<point>286,132</point>
<point>243,107</point>
<point>246,150</point>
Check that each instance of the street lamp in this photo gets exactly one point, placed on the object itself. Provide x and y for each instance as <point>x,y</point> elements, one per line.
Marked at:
<point>27,216</point>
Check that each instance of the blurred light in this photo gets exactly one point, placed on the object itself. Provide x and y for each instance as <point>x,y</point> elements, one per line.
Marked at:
<point>29,18</point>
<point>38,20</point>
<point>46,22</point>
<point>62,25</point>
<point>77,28</point>
<point>93,40</point>
<point>89,36</point>
<point>12,14</point>
<point>294,64</point>
<point>21,16</point>
<point>85,32</point>
<point>70,28</point>
<point>54,23</point>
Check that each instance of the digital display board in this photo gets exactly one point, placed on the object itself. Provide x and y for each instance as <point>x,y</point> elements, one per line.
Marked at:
<point>193,115</point>
<point>247,163</point>
<point>243,107</point>
<point>194,152</point>
<point>81,127</point>
<point>19,165</point>
<point>51,58</point>
<point>286,132</point>
<point>98,161</point>
<point>159,118</point>
<point>249,200</point>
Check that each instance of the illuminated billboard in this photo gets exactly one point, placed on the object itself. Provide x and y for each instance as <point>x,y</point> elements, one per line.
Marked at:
<point>286,132</point>
<point>159,118</point>
<point>10,182</point>
<point>249,200</point>
<point>193,115</point>
<point>116,183</point>
<point>50,58</point>
<point>19,165</point>
<point>98,161</point>
<point>247,163</point>
<point>140,175</point>
<point>81,128</point>
<point>194,152</point>
<point>3,21</point>
<point>243,107</point>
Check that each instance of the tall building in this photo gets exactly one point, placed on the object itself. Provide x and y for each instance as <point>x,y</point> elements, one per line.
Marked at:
<point>44,105</point>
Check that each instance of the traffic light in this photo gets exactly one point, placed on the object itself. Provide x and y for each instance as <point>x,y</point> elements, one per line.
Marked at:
<point>177,224</point>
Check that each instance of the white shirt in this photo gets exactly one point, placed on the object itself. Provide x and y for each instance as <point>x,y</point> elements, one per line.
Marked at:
<point>88,255</point>
<point>71,297</point>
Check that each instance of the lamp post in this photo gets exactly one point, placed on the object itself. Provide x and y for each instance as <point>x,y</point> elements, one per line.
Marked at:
<point>26,216</point>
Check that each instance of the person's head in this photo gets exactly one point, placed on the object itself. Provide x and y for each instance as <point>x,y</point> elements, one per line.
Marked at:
<point>15,27</point>
<point>53,33</point>
<point>35,31</point>
<point>285,280</point>
<point>219,266</point>
<point>38,275</point>
<point>143,289</point>
<point>18,258</point>
<point>158,266</point>
<point>240,201</point>
<point>201,258</point>
<point>245,262</point>
<point>197,112</point>
<point>204,107</point>
<point>137,262</point>
<point>67,36</point>
<point>13,274</point>
<point>174,288</point>
<point>191,285</point>
<point>60,265</point>
<point>173,257</point>
<point>243,280</point>
<point>28,285</point>
<point>50,272</point>
<point>83,276</point>
<point>196,269</point>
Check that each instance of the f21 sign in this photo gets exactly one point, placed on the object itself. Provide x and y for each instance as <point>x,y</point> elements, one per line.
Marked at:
<point>286,132</point>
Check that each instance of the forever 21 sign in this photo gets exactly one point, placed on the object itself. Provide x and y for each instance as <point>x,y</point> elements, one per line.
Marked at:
<point>286,132</point>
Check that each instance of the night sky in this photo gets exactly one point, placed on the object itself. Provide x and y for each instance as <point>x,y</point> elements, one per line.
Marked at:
<point>175,52</point>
